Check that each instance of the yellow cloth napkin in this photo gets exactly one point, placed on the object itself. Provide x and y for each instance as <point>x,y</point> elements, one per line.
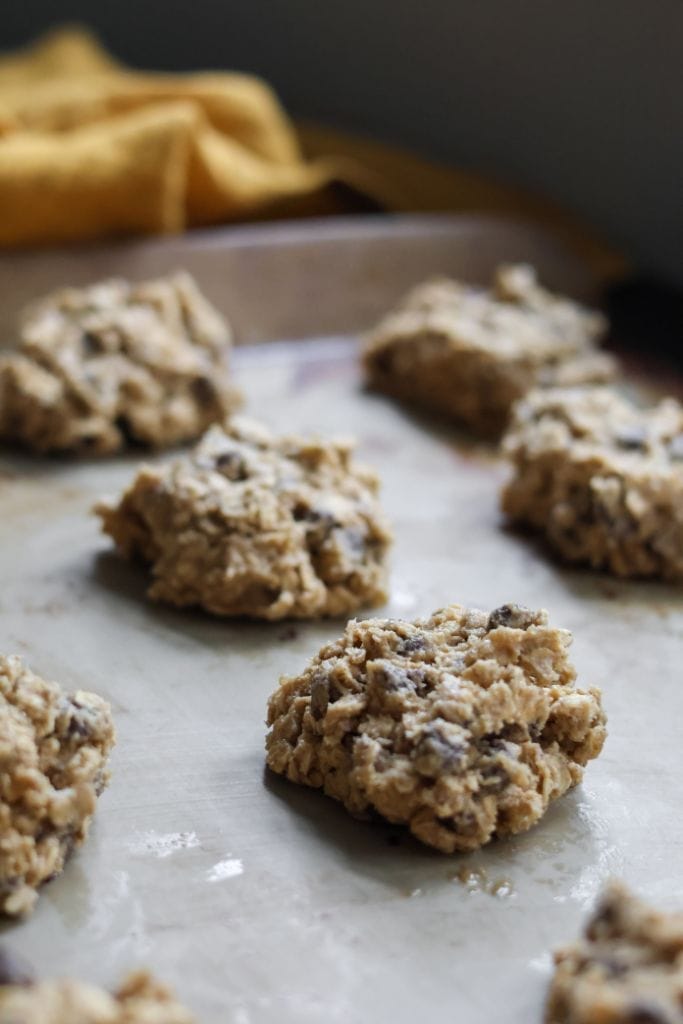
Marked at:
<point>91,149</point>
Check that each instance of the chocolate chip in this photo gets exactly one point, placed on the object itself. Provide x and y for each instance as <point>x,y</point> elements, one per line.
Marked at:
<point>92,343</point>
<point>302,513</point>
<point>319,699</point>
<point>604,918</point>
<point>232,465</point>
<point>412,643</point>
<point>79,726</point>
<point>647,1013</point>
<point>125,429</point>
<point>384,360</point>
<point>319,525</point>
<point>438,751</point>
<point>393,678</point>
<point>81,720</point>
<point>494,778</point>
<point>615,968</point>
<point>464,824</point>
<point>489,743</point>
<point>631,438</point>
<point>355,540</point>
<point>514,732</point>
<point>14,970</point>
<point>203,390</point>
<point>515,616</point>
<point>100,782</point>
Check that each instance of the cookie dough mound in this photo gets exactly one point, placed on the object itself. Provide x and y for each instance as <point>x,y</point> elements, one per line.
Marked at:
<point>256,525</point>
<point>627,969</point>
<point>463,726</point>
<point>140,1000</point>
<point>53,765</point>
<point>601,479</point>
<point>117,363</point>
<point>470,353</point>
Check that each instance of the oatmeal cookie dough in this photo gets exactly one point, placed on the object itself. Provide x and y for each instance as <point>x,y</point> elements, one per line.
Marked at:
<point>463,726</point>
<point>116,363</point>
<point>53,765</point>
<point>140,1000</point>
<point>601,479</point>
<point>470,353</point>
<point>256,525</point>
<point>627,969</point>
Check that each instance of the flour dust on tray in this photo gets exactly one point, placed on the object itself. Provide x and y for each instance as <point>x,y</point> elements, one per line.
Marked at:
<point>463,726</point>
<point>469,353</point>
<point>255,525</point>
<point>54,749</point>
<point>115,363</point>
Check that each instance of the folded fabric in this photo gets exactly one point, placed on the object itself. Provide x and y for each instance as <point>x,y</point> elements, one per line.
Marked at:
<point>91,149</point>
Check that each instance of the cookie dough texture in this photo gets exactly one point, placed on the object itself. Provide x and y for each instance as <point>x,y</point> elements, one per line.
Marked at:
<point>463,726</point>
<point>116,363</point>
<point>256,525</point>
<point>470,353</point>
<point>601,479</point>
<point>140,1000</point>
<point>627,969</point>
<point>53,765</point>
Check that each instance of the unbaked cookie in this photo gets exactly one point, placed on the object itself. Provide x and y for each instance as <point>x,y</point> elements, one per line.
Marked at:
<point>53,765</point>
<point>601,479</point>
<point>628,968</point>
<point>256,525</point>
<point>140,1000</point>
<point>470,353</point>
<point>463,726</point>
<point>117,363</point>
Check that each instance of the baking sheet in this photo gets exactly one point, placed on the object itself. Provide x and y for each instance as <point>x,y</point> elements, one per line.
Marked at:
<point>306,278</point>
<point>261,901</point>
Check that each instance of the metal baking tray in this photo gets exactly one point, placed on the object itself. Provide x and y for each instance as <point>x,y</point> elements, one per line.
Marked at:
<point>257,900</point>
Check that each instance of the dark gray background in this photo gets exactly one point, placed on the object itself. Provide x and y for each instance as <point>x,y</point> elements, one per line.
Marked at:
<point>580,99</point>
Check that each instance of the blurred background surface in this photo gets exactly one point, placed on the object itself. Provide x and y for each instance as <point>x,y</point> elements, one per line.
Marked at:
<point>580,101</point>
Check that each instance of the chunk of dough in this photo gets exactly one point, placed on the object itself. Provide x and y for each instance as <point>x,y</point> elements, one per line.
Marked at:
<point>463,726</point>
